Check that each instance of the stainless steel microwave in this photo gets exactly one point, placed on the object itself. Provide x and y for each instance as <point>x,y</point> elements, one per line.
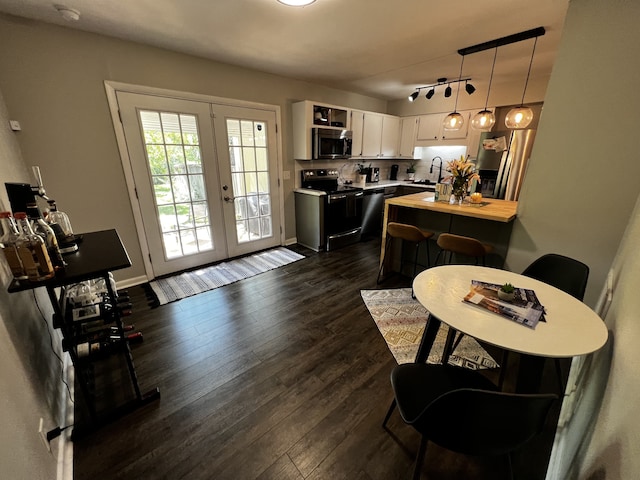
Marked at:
<point>329,143</point>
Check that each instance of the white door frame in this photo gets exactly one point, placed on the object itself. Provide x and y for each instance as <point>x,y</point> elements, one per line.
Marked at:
<point>112,87</point>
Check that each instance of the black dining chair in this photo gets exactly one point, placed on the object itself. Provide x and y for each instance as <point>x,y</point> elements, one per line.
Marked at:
<point>564,273</point>
<point>462,411</point>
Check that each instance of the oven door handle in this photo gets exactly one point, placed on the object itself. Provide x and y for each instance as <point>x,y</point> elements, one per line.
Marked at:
<point>338,197</point>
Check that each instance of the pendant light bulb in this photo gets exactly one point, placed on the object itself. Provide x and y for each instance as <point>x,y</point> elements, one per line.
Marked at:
<point>520,117</point>
<point>454,121</point>
<point>485,119</point>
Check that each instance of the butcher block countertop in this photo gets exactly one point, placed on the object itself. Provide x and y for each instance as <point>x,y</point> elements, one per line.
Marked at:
<point>490,209</point>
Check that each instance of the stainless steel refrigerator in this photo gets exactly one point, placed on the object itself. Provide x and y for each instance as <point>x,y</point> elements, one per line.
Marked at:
<point>502,161</point>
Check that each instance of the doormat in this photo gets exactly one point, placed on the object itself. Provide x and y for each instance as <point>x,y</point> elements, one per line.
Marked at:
<point>401,320</point>
<point>193,282</point>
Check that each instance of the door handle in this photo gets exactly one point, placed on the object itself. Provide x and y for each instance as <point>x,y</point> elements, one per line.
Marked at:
<point>229,199</point>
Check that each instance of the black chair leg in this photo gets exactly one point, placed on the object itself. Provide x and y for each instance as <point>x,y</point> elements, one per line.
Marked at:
<point>510,462</point>
<point>446,352</point>
<point>392,407</point>
<point>420,458</point>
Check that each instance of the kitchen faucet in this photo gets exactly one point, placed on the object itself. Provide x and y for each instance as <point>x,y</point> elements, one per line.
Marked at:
<point>440,171</point>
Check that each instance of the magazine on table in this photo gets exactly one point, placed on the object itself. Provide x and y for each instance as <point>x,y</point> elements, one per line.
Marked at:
<point>525,308</point>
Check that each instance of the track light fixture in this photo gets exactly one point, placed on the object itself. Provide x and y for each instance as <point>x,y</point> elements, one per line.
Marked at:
<point>454,121</point>
<point>431,89</point>
<point>520,117</point>
<point>485,119</point>
<point>469,88</point>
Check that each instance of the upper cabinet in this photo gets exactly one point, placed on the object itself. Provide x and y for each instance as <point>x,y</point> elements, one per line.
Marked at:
<point>307,115</point>
<point>408,132</point>
<point>375,135</point>
<point>430,128</point>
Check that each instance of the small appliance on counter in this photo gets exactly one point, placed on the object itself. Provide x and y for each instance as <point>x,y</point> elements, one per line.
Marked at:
<point>394,172</point>
<point>373,175</point>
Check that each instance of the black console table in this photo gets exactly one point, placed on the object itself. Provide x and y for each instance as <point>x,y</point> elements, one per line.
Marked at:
<point>98,254</point>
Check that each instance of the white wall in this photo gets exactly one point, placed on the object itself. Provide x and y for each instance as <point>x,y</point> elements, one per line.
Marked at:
<point>582,179</point>
<point>29,373</point>
<point>578,199</point>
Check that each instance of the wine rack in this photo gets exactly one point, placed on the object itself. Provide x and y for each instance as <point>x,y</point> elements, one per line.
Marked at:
<point>95,336</point>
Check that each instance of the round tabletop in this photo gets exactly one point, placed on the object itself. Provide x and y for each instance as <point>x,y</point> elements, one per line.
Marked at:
<point>571,327</point>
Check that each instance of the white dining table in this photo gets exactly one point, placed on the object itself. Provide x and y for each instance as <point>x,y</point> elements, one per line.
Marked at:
<point>571,328</point>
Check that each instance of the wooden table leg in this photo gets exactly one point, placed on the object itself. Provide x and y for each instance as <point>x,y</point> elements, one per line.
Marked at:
<point>428,337</point>
<point>390,215</point>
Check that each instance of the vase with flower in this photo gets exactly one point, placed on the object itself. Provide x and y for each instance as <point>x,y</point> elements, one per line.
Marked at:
<point>461,174</point>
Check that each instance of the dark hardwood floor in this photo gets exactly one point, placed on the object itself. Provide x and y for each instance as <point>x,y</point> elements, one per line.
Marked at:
<point>280,376</point>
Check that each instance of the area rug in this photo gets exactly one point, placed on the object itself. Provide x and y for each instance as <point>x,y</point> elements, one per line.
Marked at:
<point>401,320</point>
<point>193,282</point>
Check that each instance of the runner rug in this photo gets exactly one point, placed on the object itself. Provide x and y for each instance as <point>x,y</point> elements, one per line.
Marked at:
<point>193,282</point>
<point>401,320</point>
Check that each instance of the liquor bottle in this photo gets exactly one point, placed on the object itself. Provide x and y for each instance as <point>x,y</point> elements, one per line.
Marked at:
<point>42,228</point>
<point>32,251</point>
<point>8,241</point>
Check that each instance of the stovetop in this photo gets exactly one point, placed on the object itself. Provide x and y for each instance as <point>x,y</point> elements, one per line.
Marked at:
<point>325,180</point>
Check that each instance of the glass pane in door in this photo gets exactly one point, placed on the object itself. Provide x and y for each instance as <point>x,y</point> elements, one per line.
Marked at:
<point>174,157</point>
<point>247,142</point>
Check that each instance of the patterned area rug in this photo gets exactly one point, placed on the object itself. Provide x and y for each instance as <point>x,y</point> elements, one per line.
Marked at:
<point>401,321</point>
<point>191,283</point>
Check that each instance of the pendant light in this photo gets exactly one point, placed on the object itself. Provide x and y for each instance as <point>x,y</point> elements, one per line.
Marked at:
<point>454,121</point>
<point>520,117</point>
<point>485,119</point>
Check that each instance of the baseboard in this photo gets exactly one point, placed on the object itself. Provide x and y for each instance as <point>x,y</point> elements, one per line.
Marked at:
<point>65,445</point>
<point>131,282</point>
<point>291,241</point>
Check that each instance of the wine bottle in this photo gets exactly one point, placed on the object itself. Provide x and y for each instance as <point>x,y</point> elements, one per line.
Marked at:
<point>97,349</point>
<point>42,228</point>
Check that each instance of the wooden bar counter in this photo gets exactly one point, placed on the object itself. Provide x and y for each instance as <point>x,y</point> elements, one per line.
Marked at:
<point>490,222</point>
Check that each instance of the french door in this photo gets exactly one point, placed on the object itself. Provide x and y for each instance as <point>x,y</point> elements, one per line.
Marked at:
<point>205,177</point>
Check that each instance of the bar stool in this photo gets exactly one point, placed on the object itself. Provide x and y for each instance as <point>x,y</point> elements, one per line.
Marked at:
<point>409,233</point>
<point>469,247</point>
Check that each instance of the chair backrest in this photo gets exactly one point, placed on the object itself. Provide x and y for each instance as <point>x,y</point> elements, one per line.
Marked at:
<point>562,272</point>
<point>410,233</point>
<point>462,245</point>
<point>482,422</point>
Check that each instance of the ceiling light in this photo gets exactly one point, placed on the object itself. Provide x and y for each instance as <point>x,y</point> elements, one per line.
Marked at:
<point>431,93</point>
<point>520,117</point>
<point>447,91</point>
<point>297,3</point>
<point>485,119</point>
<point>469,88</point>
<point>414,95</point>
<point>454,120</point>
<point>69,14</point>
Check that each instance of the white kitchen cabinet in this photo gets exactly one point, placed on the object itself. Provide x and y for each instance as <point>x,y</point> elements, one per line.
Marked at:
<point>357,127</point>
<point>430,128</point>
<point>376,137</point>
<point>390,139</point>
<point>408,131</point>
<point>372,135</point>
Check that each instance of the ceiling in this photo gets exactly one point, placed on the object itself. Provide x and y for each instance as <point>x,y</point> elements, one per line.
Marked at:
<point>380,48</point>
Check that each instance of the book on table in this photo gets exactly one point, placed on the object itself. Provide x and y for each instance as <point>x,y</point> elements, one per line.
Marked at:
<point>525,308</point>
